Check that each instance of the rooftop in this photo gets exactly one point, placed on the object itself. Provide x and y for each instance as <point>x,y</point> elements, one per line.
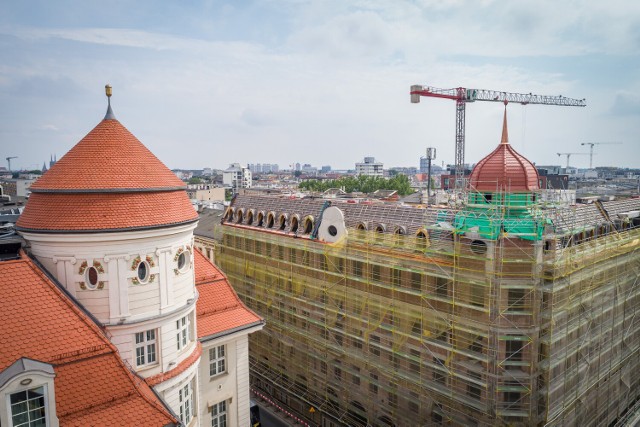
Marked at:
<point>39,321</point>
<point>219,309</point>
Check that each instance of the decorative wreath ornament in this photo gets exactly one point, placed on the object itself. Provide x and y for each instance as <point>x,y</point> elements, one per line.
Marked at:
<point>134,266</point>
<point>180,250</point>
<point>99,268</point>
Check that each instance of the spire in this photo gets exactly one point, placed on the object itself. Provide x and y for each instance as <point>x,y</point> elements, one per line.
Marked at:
<point>109,115</point>
<point>505,134</point>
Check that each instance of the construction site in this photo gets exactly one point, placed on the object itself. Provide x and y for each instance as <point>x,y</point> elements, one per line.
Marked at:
<point>513,308</point>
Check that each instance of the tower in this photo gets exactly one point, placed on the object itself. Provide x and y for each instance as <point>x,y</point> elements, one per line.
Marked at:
<point>114,225</point>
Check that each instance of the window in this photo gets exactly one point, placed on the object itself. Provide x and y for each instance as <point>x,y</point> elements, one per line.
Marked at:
<point>185,399</point>
<point>219,414</point>
<point>393,399</point>
<point>143,272</point>
<point>355,378</point>
<point>442,287</point>
<point>91,277</point>
<point>414,363</point>
<point>374,345</point>
<point>396,276</point>
<point>217,358</point>
<point>375,272</point>
<point>357,268</point>
<point>474,389</point>
<point>416,280</point>
<point>28,408</point>
<point>145,347</point>
<point>516,299</point>
<point>183,336</point>
<point>439,376</point>
<point>183,261</point>
<point>373,384</point>
<point>514,350</point>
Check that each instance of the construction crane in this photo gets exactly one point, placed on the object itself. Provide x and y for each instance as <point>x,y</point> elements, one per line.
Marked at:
<point>9,161</point>
<point>591,144</point>
<point>463,95</point>
<point>569,155</point>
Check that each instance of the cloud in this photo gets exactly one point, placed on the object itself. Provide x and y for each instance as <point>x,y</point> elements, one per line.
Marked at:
<point>626,104</point>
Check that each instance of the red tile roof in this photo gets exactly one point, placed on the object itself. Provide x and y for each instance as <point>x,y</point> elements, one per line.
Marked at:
<point>504,169</point>
<point>107,181</point>
<point>109,157</point>
<point>180,368</point>
<point>218,308</point>
<point>92,384</point>
<point>105,211</point>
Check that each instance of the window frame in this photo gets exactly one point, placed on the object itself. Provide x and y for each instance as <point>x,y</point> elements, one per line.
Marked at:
<point>29,409</point>
<point>145,344</point>
<point>219,418</point>
<point>184,335</point>
<point>217,360</point>
<point>186,403</point>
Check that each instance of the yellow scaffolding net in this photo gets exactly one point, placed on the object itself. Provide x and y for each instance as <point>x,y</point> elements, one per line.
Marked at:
<point>438,328</point>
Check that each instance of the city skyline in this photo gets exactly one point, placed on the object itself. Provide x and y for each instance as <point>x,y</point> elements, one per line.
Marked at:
<point>209,84</point>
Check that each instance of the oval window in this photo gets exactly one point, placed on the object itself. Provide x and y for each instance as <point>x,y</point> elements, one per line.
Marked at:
<point>183,261</point>
<point>143,272</point>
<point>332,230</point>
<point>91,277</point>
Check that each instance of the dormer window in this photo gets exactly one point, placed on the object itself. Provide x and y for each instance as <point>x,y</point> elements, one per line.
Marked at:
<point>28,408</point>
<point>27,395</point>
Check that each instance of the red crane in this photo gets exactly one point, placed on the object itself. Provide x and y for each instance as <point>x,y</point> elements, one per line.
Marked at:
<point>463,95</point>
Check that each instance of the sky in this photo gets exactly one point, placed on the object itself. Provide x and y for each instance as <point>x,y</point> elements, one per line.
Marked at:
<point>209,83</point>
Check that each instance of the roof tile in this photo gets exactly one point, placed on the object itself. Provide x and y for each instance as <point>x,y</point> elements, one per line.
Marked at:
<point>218,308</point>
<point>92,384</point>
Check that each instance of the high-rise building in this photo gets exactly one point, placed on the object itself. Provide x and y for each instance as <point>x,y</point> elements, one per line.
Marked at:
<point>237,177</point>
<point>369,167</point>
<point>507,310</point>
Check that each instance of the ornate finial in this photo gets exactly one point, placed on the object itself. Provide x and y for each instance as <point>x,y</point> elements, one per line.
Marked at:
<point>108,91</point>
<point>505,134</point>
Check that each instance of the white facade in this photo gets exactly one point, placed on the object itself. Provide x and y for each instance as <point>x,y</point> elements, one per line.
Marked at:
<point>237,177</point>
<point>369,167</point>
<point>141,315</point>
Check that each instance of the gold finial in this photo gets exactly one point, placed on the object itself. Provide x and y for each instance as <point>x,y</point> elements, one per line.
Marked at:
<point>107,89</point>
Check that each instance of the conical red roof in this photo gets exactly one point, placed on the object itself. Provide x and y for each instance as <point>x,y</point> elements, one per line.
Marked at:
<point>108,158</point>
<point>108,181</point>
<point>504,169</point>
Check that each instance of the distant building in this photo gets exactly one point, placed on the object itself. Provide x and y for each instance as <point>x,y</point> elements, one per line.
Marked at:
<point>403,170</point>
<point>369,167</point>
<point>207,172</point>
<point>237,177</point>
<point>206,193</point>
<point>259,168</point>
<point>325,169</point>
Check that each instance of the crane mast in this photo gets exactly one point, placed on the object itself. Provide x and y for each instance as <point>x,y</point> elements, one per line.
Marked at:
<point>464,95</point>
<point>591,144</point>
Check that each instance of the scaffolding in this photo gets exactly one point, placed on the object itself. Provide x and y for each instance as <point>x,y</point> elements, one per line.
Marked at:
<point>406,325</point>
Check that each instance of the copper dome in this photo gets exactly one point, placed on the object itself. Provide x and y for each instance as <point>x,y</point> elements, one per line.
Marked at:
<point>504,169</point>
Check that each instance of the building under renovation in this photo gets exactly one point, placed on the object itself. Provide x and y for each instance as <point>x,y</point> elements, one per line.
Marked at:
<point>510,309</point>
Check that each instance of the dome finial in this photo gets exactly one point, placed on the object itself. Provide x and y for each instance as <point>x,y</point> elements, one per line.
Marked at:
<point>505,133</point>
<point>108,91</point>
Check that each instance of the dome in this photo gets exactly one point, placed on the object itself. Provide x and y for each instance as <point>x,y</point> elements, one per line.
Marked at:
<point>504,169</point>
<point>108,181</point>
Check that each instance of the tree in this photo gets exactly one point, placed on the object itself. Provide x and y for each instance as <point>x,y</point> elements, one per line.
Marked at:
<point>195,180</point>
<point>361,183</point>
